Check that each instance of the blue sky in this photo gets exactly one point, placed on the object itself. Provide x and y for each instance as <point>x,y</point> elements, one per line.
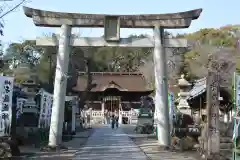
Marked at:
<point>216,13</point>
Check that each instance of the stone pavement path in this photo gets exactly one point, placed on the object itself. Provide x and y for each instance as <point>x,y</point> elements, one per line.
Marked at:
<point>108,144</point>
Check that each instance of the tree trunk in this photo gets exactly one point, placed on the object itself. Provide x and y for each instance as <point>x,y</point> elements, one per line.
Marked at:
<point>90,86</point>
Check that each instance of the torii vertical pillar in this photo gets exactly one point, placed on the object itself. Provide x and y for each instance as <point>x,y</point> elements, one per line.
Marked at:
<point>60,83</point>
<point>161,87</point>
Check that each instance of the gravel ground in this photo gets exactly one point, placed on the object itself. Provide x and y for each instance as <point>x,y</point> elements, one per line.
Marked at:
<point>73,146</point>
<point>148,144</point>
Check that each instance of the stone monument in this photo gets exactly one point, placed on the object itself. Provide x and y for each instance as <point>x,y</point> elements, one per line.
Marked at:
<point>212,141</point>
<point>30,87</point>
<point>111,25</point>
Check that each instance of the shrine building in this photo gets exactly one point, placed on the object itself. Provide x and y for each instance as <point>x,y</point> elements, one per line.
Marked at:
<point>113,92</point>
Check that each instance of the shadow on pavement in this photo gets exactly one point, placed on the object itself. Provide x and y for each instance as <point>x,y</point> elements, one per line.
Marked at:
<point>78,140</point>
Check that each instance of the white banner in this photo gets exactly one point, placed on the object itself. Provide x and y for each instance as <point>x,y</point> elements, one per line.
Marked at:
<point>20,104</point>
<point>46,108</point>
<point>172,112</point>
<point>237,100</point>
<point>6,93</point>
<point>237,90</point>
<point>171,105</point>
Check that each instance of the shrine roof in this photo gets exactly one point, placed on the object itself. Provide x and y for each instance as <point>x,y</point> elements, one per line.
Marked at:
<point>123,81</point>
<point>199,87</point>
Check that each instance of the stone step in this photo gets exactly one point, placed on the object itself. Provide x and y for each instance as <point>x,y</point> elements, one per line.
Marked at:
<point>226,145</point>
<point>226,150</point>
<point>222,139</point>
<point>225,140</point>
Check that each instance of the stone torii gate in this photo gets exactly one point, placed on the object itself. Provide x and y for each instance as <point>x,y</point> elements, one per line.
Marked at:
<point>112,25</point>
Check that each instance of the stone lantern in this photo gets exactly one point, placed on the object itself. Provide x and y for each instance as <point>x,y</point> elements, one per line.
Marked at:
<point>185,87</point>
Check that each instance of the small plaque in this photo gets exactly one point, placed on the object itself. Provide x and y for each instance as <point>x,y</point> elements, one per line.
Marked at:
<point>112,28</point>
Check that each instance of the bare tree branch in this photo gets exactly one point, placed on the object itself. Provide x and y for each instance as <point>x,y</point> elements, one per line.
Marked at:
<point>12,9</point>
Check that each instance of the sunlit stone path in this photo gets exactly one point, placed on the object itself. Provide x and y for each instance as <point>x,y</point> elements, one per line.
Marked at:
<point>108,144</point>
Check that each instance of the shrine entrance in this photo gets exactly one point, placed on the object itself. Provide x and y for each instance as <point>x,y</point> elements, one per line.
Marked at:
<point>112,104</point>
<point>112,98</point>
